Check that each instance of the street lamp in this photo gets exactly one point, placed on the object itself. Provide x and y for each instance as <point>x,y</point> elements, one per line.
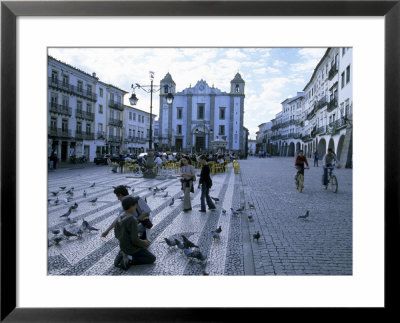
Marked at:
<point>133,100</point>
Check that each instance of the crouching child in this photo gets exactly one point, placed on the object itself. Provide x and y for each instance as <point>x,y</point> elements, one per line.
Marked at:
<point>133,251</point>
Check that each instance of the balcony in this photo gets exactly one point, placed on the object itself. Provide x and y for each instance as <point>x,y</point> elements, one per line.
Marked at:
<point>115,122</point>
<point>114,138</point>
<point>72,89</point>
<point>311,114</point>
<point>333,103</point>
<point>116,105</point>
<point>59,132</point>
<point>135,140</point>
<point>100,135</point>
<point>84,135</point>
<point>84,114</point>
<point>321,103</point>
<point>332,72</point>
<point>320,130</point>
<point>60,109</point>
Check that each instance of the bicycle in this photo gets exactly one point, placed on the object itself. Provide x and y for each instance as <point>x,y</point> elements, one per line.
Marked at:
<point>299,178</point>
<point>332,180</point>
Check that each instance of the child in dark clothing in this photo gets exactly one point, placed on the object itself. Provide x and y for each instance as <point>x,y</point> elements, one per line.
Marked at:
<point>133,250</point>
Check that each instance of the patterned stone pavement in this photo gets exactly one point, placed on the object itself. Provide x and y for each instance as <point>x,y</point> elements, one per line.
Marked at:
<point>288,245</point>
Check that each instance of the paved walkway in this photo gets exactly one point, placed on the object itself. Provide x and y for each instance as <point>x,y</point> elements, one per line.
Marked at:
<point>288,245</point>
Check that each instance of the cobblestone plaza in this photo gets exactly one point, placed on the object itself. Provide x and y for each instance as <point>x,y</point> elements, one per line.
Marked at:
<point>288,245</point>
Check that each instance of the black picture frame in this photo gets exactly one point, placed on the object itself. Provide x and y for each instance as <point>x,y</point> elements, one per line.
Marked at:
<point>10,10</point>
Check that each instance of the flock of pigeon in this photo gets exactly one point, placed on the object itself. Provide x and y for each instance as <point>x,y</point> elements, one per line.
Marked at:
<point>190,250</point>
<point>64,233</point>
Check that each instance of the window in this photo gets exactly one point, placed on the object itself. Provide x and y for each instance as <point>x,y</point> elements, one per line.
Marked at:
<point>88,108</point>
<point>101,92</point>
<point>221,113</point>
<point>130,133</point>
<point>80,86</point>
<point>79,127</point>
<point>179,129</point>
<point>53,123</point>
<point>111,114</point>
<point>100,127</point>
<point>237,88</point>
<point>89,89</point>
<point>342,80</point>
<point>101,108</point>
<point>130,115</point>
<point>134,116</point>
<point>133,132</point>
<point>65,80</point>
<point>347,74</point>
<point>200,112</point>
<point>179,113</point>
<point>65,101</point>
<point>165,88</point>
<point>343,51</point>
<point>79,105</point>
<point>221,130</point>
<point>64,125</point>
<point>54,76</point>
<point>88,128</point>
<point>54,99</point>
<point>112,97</point>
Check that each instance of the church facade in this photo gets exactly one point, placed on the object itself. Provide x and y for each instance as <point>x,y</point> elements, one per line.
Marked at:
<point>202,118</point>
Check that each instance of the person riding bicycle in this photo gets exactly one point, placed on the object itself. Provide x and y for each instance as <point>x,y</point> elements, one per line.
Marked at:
<point>299,163</point>
<point>327,162</point>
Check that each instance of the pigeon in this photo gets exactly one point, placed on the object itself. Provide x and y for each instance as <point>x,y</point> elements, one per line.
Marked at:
<point>241,209</point>
<point>216,199</point>
<point>55,231</point>
<point>181,198</point>
<point>219,230</point>
<point>223,211</point>
<point>194,254</point>
<point>179,244</point>
<point>145,199</point>
<point>87,226</point>
<point>48,200</point>
<point>163,188</point>
<point>68,233</point>
<point>54,193</point>
<point>93,200</point>
<point>56,201</point>
<point>156,189</point>
<point>305,216</point>
<point>75,206</point>
<point>165,195</point>
<point>170,242</point>
<point>187,243</point>
<point>67,199</point>
<point>56,240</point>
<point>150,188</point>
<point>256,236</point>
<point>80,232</point>
<point>250,217</point>
<point>172,202</point>
<point>84,193</point>
<point>70,221</point>
<point>67,213</point>
<point>251,206</point>
<point>133,189</point>
<point>62,187</point>
<point>92,185</point>
<point>234,212</point>
<point>69,191</point>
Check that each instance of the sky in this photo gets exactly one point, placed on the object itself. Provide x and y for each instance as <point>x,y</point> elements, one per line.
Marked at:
<point>271,74</point>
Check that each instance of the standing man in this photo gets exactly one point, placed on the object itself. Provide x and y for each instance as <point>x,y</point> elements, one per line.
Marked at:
<point>316,157</point>
<point>142,214</point>
<point>205,182</point>
<point>327,162</point>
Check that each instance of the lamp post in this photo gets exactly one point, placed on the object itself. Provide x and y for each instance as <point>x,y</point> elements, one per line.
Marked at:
<point>149,173</point>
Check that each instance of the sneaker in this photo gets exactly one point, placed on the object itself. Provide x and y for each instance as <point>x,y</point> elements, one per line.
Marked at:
<point>202,211</point>
<point>324,187</point>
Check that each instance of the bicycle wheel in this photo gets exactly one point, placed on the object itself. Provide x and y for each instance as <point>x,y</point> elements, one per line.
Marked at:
<point>334,184</point>
<point>299,184</point>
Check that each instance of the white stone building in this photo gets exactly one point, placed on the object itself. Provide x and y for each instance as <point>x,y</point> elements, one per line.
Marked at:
<point>84,114</point>
<point>202,118</point>
<point>136,130</point>
<point>322,116</point>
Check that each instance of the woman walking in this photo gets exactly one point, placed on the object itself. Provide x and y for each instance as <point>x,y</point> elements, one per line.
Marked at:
<point>188,176</point>
<point>206,183</point>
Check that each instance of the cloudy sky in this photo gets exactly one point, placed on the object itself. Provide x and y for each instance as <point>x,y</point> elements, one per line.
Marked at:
<point>271,74</point>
